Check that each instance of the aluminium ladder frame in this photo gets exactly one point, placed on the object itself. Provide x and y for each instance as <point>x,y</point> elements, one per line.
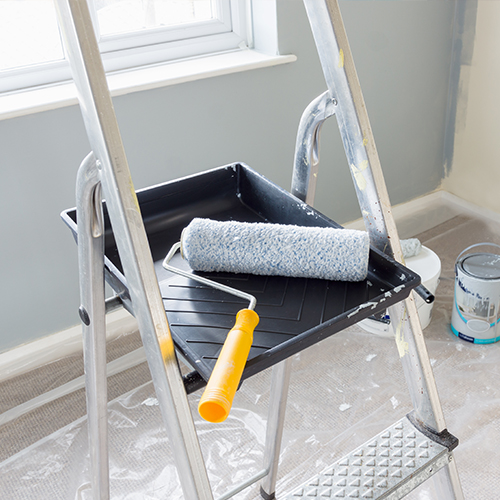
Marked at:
<point>107,166</point>
<point>344,98</point>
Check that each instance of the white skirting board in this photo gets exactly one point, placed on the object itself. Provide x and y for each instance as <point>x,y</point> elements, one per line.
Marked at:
<point>40,352</point>
<point>438,207</point>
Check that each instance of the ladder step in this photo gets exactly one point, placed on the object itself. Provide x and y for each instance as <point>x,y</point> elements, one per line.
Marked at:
<point>388,466</point>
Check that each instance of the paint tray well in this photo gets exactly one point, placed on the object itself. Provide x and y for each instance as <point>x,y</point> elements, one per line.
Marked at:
<point>295,313</point>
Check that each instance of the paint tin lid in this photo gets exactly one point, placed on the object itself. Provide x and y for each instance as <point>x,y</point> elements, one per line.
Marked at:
<point>482,265</point>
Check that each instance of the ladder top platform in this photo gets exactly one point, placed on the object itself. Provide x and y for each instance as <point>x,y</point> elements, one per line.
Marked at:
<point>295,312</point>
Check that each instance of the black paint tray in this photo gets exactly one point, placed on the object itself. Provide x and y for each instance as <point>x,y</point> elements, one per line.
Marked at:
<point>294,312</point>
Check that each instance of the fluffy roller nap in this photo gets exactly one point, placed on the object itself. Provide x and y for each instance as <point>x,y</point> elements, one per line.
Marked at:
<point>410,247</point>
<point>274,249</point>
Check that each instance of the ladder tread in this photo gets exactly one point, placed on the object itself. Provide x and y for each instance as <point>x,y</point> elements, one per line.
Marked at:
<point>389,465</point>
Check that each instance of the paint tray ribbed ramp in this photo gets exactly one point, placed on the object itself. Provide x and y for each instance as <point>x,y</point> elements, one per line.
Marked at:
<point>388,466</point>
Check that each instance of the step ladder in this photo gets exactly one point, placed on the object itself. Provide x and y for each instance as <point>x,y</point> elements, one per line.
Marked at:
<point>388,466</point>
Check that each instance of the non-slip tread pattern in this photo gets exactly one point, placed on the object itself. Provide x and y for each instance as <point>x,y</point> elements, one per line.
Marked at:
<point>376,468</point>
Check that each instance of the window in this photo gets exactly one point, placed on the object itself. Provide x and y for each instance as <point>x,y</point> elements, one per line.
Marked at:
<point>131,33</point>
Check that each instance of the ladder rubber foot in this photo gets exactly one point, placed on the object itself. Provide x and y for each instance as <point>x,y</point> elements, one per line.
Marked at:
<point>267,496</point>
<point>388,466</point>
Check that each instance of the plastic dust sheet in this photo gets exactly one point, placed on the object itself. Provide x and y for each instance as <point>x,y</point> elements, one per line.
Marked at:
<point>343,391</point>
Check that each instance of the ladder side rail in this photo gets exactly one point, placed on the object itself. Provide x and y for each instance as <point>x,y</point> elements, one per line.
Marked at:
<point>93,315</point>
<point>304,176</point>
<point>357,137</point>
<point>359,144</point>
<point>104,137</point>
<point>306,160</point>
<point>280,383</point>
<point>306,157</point>
<point>343,84</point>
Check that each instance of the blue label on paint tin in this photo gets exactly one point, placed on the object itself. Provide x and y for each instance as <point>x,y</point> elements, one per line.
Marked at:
<point>486,341</point>
<point>472,339</point>
<point>466,337</point>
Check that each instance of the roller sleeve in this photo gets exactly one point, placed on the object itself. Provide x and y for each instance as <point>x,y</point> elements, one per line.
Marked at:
<point>275,249</point>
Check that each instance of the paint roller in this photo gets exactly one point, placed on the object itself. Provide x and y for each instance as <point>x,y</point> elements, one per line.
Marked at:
<point>262,249</point>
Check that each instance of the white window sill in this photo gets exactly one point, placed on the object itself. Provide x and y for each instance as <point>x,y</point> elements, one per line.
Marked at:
<point>64,94</point>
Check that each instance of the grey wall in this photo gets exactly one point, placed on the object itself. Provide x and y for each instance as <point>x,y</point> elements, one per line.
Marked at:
<point>402,52</point>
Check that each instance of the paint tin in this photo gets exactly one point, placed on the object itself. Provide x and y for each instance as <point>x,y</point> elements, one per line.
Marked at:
<point>476,315</point>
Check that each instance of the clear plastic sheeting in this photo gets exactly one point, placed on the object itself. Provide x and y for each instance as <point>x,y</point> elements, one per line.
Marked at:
<point>343,391</point>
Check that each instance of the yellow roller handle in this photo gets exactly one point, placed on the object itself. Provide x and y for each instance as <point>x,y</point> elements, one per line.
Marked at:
<point>217,399</point>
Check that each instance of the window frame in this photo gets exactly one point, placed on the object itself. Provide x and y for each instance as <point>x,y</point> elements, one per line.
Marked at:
<point>134,50</point>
